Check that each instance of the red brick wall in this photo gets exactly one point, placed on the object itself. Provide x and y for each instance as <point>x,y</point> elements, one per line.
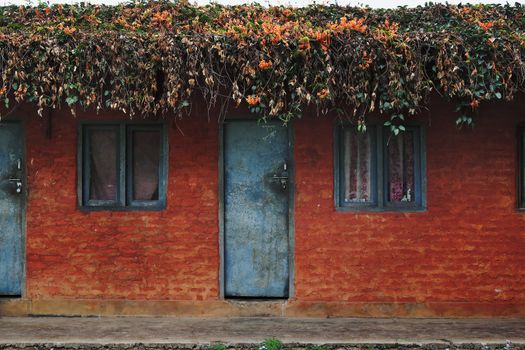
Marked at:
<point>468,246</point>
<point>171,254</point>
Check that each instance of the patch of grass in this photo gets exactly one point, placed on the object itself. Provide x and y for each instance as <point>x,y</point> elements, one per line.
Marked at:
<point>271,344</point>
<point>318,347</point>
<point>218,346</point>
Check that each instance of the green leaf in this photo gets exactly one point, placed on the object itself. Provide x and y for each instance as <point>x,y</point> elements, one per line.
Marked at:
<point>218,346</point>
<point>272,344</point>
<point>70,100</point>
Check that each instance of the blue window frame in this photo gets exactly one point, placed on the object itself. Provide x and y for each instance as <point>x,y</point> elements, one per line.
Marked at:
<point>122,166</point>
<point>521,170</point>
<point>378,171</point>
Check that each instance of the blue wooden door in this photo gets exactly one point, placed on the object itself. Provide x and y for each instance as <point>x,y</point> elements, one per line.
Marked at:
<point>256,194</point>
<point>11,206</point>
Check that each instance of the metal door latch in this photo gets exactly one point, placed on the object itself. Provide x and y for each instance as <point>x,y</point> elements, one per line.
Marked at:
<point>283,179</point>
<point>18,184</point>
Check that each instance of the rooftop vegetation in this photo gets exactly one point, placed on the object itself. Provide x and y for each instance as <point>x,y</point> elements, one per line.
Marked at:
<point>151,58</point>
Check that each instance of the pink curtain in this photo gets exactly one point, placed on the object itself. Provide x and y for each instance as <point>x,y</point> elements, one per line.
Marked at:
<point>103,166</point>
<point>146,159</point>
<point>401,167</point>
<point>357,163</point>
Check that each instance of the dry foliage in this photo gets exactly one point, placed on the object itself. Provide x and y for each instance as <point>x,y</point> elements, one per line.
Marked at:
<point>150,58</point>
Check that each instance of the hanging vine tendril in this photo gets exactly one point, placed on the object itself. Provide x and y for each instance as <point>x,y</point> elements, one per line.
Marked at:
<point>151,58</point>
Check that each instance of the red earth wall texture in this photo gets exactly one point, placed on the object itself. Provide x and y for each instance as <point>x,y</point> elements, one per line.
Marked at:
<point>468,246</point>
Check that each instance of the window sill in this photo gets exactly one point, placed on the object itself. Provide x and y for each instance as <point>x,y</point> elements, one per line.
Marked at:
<point>122,209</point>
<point>350,209</point>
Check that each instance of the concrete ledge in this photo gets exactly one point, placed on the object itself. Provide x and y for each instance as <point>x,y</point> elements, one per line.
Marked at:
<point>214,308</point>
<point>255,346</point>
<point>14,307</point>
<point>433,309</point>
<point>230,308</point>
<point>149,331</point>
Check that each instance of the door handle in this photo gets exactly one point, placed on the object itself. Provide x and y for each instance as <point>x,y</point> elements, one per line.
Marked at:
<point>18,184</point>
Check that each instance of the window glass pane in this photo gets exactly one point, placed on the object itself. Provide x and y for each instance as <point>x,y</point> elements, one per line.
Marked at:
<point>522,169</point>
<point>357,166</point>
<point>400,153</point>
<point>146,164</point>
<point>103,164</point>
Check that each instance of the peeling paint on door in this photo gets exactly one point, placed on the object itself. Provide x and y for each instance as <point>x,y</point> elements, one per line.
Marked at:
<point>11,194</point>
<point>256,247</point>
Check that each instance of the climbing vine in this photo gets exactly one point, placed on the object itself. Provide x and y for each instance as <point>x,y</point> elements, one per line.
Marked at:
<point>151,58</point>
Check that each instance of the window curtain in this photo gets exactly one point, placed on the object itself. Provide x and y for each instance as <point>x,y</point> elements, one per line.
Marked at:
<point>357,166</point>
<point>103,166</point>
<point>401,167</point>
<point>146,162</point>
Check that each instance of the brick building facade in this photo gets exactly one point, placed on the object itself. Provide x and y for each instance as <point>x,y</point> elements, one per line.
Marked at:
<point>462,254</point>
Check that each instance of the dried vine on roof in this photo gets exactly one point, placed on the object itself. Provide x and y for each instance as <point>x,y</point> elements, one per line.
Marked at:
<point>151,58</point>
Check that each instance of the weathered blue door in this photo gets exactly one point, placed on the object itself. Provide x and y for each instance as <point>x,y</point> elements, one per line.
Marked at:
<point>11,206</point>
<point>256,192</point>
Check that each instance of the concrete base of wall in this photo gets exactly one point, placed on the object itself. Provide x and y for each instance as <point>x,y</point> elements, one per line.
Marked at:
<point>229,308</point>
<point>243,333</point>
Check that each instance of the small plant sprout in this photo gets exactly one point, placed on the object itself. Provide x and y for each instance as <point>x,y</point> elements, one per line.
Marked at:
<point>271,344</point>
<point>218,346</point>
